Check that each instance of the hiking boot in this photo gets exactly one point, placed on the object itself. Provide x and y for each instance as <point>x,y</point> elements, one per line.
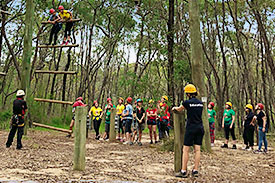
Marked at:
<point>139,143</point>
<point>224,146</point>
<point>151,142</point>
<point>181,174</point>
<point>131,143</point>
<point>234,147</point>
<point>195,173</point>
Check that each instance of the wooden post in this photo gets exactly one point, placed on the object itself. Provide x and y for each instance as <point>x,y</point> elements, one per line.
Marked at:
<point>80,138</point>
<point>112,136</point>
<point>179,130</point>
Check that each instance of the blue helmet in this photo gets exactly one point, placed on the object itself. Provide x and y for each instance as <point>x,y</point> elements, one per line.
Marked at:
<point>139,100</point>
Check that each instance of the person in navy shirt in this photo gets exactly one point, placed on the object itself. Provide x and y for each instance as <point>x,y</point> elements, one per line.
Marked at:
<point>194,129</point>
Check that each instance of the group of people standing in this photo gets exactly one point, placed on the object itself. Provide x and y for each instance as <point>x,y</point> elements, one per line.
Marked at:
<point>131,119</point>
<point>251,120</point>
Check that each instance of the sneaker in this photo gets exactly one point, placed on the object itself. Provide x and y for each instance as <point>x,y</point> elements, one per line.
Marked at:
<point>212,144</point>
<point>249,149</point>
<point>224,146</point>
<point>257,151</point>
<point>195,173</point>
<point>181,174</point>
<point>126,142</point>
<point>265,151</point>
<point>131,143</point>
<point>118,138</point>
<point>139,143</point>
<point>151,142</point>
<point>234,147</point>
<point>69,135</point>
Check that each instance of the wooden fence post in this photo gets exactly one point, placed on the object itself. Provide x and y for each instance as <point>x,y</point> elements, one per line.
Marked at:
<point>80,138</point>
<point>179,130</point>
<point>112,136</point>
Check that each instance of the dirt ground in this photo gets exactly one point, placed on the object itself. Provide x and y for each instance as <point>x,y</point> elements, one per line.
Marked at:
<point>47,157</point>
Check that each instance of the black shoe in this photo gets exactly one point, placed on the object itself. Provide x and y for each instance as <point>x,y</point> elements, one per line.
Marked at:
<point>234,147</point>
<point>224,146</point>
<point>195,173</point>
<point>139,143</point>
<point>151,142</point>
<point>156,142</point>
<point>69,135</point>
<point>19,148</point>
<point>7,146</point>
<point>181,174</point>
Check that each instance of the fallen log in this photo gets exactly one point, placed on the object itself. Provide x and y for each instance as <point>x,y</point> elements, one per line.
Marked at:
<point>53,101</point>
<point>58,46</point>
<point>72,20</point>
<point>52,128</point>
<point>55,72</point>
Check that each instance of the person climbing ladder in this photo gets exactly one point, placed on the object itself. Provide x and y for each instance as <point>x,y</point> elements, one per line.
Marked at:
<point>66,15</point>
<point>56,27</point>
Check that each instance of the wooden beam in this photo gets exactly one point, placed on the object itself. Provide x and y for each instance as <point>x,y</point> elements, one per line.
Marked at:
<point>80,138</point>
<point>53,101</point>
<point>112,136</point>
<point>2,74</point>
<point>52,128</point>
<point>5,12</point>
<point>72,20</point>
<point>55,72</point>
<point>179,131</point>
<point>58,46</point>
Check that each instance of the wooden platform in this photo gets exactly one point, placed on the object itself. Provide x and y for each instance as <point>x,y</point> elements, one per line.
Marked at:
<point>55,72</point>
<point>58,46</point>
<point>2,74</point>
<point>72,20</point>
<point>53,101</point>
<point>52,128</point>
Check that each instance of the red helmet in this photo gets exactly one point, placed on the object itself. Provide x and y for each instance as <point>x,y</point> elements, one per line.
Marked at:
<point>109,99</point>
<point>52,10</point>
<point>212,104</point>
<point>79,98</point>
<point>261,106</point>
<point>129,99</point>
<point>95,102</point>
<point>60,8</point>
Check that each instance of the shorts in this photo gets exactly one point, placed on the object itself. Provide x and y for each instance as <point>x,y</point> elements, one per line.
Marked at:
<point>151,122</point>
<point>128,125</point>
<point>193,135</point>
<point>107,127</point>
<point>141,126</point>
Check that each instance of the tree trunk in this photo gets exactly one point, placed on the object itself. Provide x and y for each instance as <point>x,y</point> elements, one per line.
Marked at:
<point>170,38</point>
<point>197,63</point>
<point>27,51</point>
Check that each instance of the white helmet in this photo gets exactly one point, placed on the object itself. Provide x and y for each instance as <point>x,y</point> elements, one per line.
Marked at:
<point>20,93</point>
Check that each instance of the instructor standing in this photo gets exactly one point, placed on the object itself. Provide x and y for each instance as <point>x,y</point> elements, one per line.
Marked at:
<point>19,110</point>
<point>194,129</point>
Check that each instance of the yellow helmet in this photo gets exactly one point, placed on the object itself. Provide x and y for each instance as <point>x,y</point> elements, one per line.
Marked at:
<point>151,101</point>
<point>120,98</point>
<point>249,106</point>
<point>190,89</point>
<point>228,103</point>
<point>165,97</point>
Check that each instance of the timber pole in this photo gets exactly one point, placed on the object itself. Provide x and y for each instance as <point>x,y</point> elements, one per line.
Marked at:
<point>80,138</point>
<point>179,130</point>
<point>112,137</point>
